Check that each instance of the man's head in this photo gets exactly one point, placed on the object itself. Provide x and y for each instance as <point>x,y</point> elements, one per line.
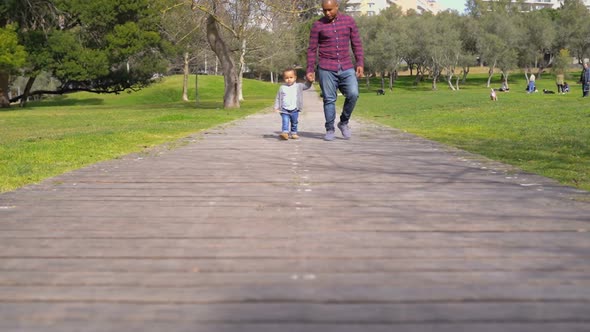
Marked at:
<point>330,9</point>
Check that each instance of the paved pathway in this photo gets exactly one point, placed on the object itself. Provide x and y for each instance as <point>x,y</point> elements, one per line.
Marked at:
<point>238,231</point>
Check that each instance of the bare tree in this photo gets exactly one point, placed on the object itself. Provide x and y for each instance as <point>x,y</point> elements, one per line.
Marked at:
<point>185,29</point>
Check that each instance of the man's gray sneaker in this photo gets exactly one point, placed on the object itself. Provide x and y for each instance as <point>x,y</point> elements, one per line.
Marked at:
<point>345,130</point>
<point>329,135</point>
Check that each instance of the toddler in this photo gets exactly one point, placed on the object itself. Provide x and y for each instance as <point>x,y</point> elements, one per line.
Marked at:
<point>289,102</point>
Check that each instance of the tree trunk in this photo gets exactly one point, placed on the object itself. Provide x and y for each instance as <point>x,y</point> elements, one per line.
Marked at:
<point>185,78</point>
<point>391,78</point>
<point>450,80</point>
<point>368,81</point>
<point>491,73</point>
<point>465,72</point>
<point>28,87</point>
<point>434,79</point>
<point>383,80</point>
<point>228,67</point>
<point>435,75</point>
<point>4,100</point>
<point>241,72</point>
<point>419,75</point>
<point>197,89</point>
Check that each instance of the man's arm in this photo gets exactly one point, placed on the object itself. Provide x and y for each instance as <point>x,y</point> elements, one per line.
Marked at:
<point>357,49</point>
<point>312,51</point>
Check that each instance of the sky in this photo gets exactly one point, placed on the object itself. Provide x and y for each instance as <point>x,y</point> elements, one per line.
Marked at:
<point>458,5</point>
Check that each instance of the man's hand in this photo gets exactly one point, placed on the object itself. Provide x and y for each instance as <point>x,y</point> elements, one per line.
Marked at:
<point>310,76</point>
<point>360,72</point>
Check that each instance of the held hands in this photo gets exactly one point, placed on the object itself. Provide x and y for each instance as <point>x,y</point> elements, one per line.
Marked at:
<point>310,76</point>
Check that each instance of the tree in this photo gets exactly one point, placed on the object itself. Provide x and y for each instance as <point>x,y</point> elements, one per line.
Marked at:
<point>445,46</point>
<point>573,29</point>
<point>103,46</point>
<point>499,37</point>
<point>383,37</point>
<point>218,14</point>
<point>561,62</point>
<point>469,27</point>
<point>184,29</point>
<point>12,57</point>
<point>33,20</point>
<point>538,37</point>
<point>414,50</point>
<point>231,24</point>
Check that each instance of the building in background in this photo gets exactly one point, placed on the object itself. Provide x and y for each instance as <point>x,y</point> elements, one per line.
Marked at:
<point>373,7</point>
<point>530,5</point>
<point>420,6</point>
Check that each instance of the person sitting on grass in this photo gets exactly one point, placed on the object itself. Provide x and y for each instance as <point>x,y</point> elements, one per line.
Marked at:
<point>531,86</point>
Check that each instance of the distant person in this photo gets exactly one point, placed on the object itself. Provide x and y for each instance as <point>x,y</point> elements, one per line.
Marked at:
<point>559,80</point>
<point>566,87</point>
<point>585,80</point>
<point>531,86</point>
<point>330,39</point>
<point>289,102</point>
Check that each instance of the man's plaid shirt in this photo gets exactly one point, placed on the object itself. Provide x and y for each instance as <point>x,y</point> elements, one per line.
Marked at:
<point>332,42</point>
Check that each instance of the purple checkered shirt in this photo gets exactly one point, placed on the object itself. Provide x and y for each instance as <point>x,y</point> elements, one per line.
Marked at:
<point>332,41</point>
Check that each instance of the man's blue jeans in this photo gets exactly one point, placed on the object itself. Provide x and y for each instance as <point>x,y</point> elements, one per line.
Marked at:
<point>330,83</point>
<point>292,118</point>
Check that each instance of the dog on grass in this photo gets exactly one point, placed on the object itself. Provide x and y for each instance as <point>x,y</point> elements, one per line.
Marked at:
<point>381,92</point>
<point>493,95</point>
<point>548,92</point>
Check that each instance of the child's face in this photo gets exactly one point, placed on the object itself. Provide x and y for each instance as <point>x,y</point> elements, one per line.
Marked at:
<point>289,77</point>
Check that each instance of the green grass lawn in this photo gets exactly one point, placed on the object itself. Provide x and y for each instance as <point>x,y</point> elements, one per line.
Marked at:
<point>547,134</point>
<point>544,134</point>
<point>57,135</point>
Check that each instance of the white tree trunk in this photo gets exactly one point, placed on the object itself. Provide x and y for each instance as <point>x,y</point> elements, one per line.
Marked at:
<point>185,78</point>
<point>450,80</point>
<point>241,71</point>
<point>491,73</point>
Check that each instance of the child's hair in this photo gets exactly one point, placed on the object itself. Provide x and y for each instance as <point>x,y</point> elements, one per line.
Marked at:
<point>290,69</point>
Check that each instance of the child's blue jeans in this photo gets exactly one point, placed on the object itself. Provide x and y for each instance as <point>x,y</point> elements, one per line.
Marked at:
<point>291,117</point>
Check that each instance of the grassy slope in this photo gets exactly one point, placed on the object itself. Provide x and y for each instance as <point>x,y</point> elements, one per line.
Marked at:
<point>66,133</point>
<point>545,134</point>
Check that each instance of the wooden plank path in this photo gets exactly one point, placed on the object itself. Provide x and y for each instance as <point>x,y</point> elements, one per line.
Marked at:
<point>237,231</point>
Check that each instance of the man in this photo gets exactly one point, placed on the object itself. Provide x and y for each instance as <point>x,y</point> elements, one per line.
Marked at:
<point>330,39</point>
<point>585,80</point>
